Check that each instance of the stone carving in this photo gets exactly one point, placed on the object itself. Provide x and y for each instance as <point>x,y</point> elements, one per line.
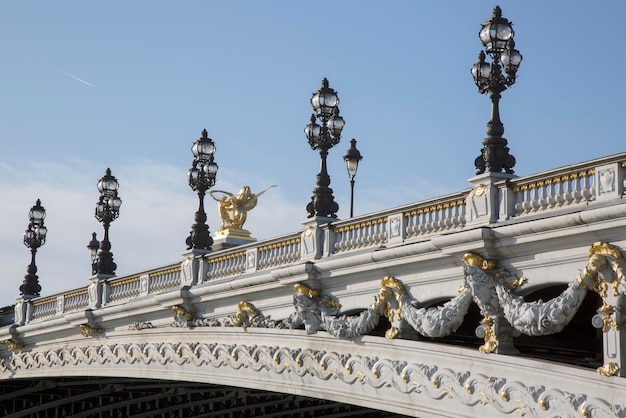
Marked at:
<point>438,321</point>
<point>349,327</point>
<point>606,265</point>
<point>139,325</point>
<point>541,318</point>
<point>248,316</point>
<point>504,312</point>
<point>182,317</point>
<point>89,331</point>
<point>513,398</point>
<point>606,183</point>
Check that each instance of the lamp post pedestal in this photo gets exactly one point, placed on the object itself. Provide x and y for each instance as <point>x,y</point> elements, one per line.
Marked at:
<point>194,268</point>
<point>232,237</point>
<point>316,240</point>
<point>489,199</point>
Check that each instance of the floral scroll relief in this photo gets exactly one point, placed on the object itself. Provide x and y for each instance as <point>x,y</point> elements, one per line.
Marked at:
<point>428,382</point>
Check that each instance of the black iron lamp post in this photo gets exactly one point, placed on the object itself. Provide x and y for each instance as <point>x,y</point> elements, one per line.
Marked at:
<point>496,34</point>
<point>323,137</point>
<point>352,158</point>
<point>202,176</point>
<point>34,237</point>
<point>107,210</point>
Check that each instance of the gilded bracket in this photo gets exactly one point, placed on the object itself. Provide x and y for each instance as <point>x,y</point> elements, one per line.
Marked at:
<point>490,337</point>
<point>13,345</point>
<point>245,314</point>
<point>88,331</point>
<point>609,369</point>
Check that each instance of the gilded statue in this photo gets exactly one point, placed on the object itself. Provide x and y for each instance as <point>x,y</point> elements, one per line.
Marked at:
<point>234,208</point>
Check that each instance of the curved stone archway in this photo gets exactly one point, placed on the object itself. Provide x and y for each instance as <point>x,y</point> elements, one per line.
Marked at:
<point>128,397</point>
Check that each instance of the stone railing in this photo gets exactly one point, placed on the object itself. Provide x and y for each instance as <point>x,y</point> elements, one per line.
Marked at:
<point>163,279</point>
<point>43,308</point>
<point>227,263</point>
<point>433,217</point>
<point>419,219</point>
<point>564,188</point>
<point>75,301</point>
<point>363,233</point>
<point>123,289</point>
<point>280,252</point>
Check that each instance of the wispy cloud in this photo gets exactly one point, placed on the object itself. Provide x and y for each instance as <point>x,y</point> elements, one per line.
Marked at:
<point>74,77</point>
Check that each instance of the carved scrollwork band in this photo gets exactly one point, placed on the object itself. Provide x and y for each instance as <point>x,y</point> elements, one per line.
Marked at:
<point>508,397</point>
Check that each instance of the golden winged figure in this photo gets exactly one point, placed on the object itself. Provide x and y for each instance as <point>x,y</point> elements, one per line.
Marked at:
<point>234,207</point>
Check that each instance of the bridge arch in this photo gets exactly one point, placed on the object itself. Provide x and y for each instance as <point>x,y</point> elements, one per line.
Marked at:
<point>397,376</point>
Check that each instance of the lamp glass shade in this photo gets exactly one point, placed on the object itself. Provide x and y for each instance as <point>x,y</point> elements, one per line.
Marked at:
<point>481,71</point>
<point>100,209</point>
<point>352,165</point>
<point>336,124</point>
<point>36,214</point>
<point>324,100</point>
<point>211,169</point>
<point>511,59</point>
<point>495,33</point>
<point>41,232</point>
<point>202,149</point>
<point>193,174</point>
<point>115,203</point>
<point>313,131</point>
<point>93,245</point>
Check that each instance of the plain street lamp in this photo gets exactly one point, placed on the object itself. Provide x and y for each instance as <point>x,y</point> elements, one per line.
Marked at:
<point>94,246</point>
<point>323,137</point>
<point>352,158</point>
<point>202,176</point>
<point>34,237</point>
<point>107,210</point>
<point>496,34</point>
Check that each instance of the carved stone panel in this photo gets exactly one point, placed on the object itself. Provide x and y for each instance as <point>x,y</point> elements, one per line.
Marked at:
<point>607,182</point>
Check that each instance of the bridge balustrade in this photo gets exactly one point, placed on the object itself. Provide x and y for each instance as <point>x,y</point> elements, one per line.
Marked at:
<point>284,251</point>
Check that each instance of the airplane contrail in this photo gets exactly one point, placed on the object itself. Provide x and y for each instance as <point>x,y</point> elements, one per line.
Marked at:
<point>74,77</point>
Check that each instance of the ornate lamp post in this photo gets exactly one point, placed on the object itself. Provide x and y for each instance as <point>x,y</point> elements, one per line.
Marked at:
<point>107,210</point>
<point>323,137</point>
<point>34,237</point>
<point>352,158</point>
<point>202,176</point>
<point>496,34</point>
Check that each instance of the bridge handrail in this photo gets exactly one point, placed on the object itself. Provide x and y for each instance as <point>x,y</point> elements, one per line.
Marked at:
<point>422,218</point>
<point>566,186</point>
<point>279,251</point>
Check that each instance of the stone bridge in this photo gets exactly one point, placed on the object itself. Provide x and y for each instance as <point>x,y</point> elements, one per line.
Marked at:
<point>504,299</point>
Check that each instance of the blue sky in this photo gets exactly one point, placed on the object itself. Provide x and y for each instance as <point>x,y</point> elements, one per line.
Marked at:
<point>130,85</point>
